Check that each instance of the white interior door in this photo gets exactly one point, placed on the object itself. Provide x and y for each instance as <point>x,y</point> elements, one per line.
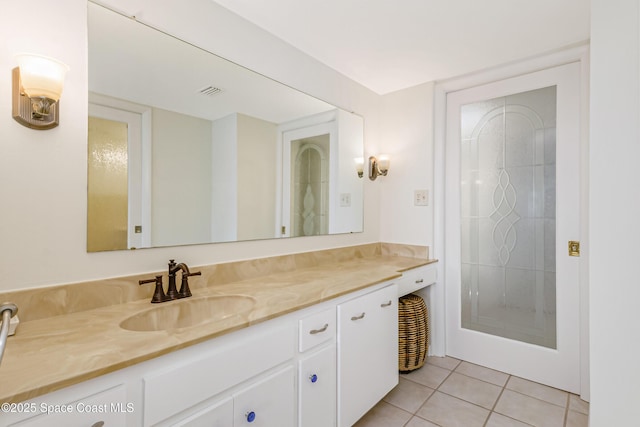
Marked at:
<point>512,203</point>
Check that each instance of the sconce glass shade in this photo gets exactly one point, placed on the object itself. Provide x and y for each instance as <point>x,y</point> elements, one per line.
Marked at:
<point>383,163</point>
<point>37,86</point>
<point>378,166</point>
<point>41,77</point>
<point>359,166</point>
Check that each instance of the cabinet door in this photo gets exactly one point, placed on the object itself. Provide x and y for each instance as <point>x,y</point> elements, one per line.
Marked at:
<point>367,352</point>
<point>107,408</point>
<point>267,402</point>
<point>317,388</point>
<point>220,414</point>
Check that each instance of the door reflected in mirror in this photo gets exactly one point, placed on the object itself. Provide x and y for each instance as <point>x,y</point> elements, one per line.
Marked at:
<point>309,201</point>
<point>108,195</point>
<point>186,147</point>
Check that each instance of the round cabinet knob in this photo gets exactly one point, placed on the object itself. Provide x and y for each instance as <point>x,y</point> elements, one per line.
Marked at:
<point>313,378</point>
<point>251,416</point>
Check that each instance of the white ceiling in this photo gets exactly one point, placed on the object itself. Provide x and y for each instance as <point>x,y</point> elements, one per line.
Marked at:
<point>387,45</point>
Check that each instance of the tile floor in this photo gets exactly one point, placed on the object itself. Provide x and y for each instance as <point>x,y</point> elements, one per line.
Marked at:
<point>448,392</point>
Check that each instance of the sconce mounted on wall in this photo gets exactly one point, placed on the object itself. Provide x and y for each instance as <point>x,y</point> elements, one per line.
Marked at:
<point>379,166</point>
<point>37,86</point>
<point>359,166</point>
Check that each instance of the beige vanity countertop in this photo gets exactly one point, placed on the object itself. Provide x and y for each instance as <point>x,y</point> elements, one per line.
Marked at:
<point>51,353</point>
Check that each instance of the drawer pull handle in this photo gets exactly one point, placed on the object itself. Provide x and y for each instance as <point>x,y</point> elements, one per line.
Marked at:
<point>319,331</point>
<point>420,281</point>
<point>98,424</point>
<point>313,378</point>
<point>251,416</point>
<point>386,304</point>
<point>354,318</point>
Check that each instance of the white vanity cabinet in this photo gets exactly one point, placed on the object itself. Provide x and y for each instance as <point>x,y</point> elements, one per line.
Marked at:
<point>367,352</point>
<point>317,369</point>
<point>322,366</point>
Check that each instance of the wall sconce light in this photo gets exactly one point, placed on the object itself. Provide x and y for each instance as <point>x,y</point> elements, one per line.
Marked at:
<point>379,166</point>
<point>359,166</point>
<point>37,86</point>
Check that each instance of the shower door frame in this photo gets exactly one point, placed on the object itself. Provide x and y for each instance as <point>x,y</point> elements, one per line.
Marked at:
<point>442,322</point>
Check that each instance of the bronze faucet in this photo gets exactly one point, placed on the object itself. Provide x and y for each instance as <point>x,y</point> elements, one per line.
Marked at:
<point>184,291</point>
<point>172,292</point>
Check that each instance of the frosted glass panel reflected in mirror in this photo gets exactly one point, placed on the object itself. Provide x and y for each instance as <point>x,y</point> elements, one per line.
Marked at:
<point>310,185</point>
<point>107,182</point>
<point>508,200</point>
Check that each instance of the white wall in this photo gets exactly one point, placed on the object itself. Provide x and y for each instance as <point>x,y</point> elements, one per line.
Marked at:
<point>407,136</point>
<point>257,147</point>
<point>181,177</point>
<point>224,186</point>
<point>347,219</point>
<point>43,173</point>
<point>614,212</point>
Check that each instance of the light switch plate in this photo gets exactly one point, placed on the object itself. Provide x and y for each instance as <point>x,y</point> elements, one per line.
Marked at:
<point>345,200</point>
<point>421,198</point>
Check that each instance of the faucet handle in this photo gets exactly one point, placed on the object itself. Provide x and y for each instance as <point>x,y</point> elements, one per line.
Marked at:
<point>158,294</point>
<point>184,291</point>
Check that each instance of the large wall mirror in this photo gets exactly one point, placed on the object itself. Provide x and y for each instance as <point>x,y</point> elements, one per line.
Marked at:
<point>186,147</point>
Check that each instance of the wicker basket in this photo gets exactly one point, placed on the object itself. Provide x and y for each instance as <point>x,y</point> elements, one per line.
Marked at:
<point>413,332</point>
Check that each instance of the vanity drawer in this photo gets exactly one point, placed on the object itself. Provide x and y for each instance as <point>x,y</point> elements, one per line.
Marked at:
<point>316,329</point>
<point>416,278</point>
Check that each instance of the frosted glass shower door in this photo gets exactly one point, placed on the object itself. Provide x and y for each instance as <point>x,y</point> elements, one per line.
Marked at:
<point>513,158</point>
